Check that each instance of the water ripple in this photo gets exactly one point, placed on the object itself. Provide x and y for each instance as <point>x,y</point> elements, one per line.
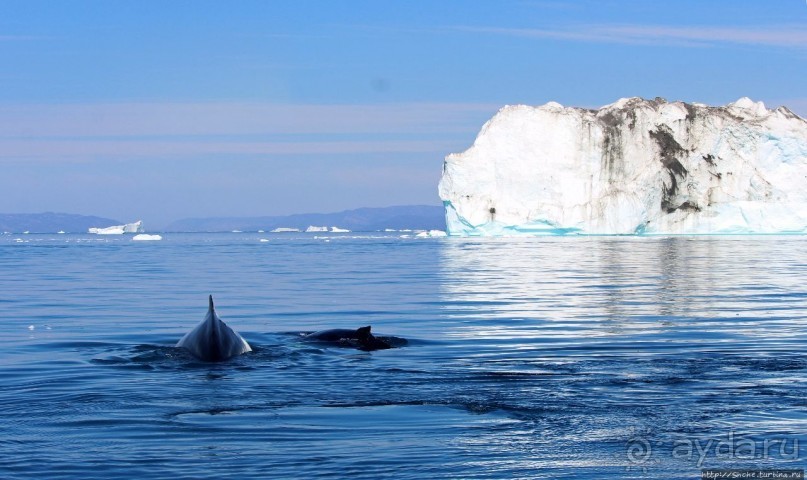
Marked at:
<point>534,358</point>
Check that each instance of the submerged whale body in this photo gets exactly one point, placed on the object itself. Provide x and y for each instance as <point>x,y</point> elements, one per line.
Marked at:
<point>360,338</point>
<point>212,340</point>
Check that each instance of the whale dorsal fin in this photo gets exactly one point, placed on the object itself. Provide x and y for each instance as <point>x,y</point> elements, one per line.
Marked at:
<point>363,332</point>
<point>211,302</point>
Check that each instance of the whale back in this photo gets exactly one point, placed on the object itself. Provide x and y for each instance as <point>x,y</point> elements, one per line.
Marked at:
<point>361,338</point>
<point>333,335</point>
<point>213,340</point>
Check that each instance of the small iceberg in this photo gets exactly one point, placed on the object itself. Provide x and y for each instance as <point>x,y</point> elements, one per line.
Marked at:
<point>313,228</point>
<point>339,230</point>
<point>432,234</point>
<point>285,230</point>
<point>117,230</point>
<point>146,237</point>
<point>136,227</point>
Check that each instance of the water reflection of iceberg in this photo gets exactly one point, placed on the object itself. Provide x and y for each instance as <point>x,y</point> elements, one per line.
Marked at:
<point>658,289</point>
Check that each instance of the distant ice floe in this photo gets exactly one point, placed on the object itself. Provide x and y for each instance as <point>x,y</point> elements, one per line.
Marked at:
<point>136,227</point>
<point>285,230</point>
<point>339,230</point>
<point>264,240</point>
<point>313,228</point>
<point>432,234</point>
<point>147,237</point>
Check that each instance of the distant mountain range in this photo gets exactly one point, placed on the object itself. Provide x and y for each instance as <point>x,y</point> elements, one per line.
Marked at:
<point>51,222</point>
<point>415,217</point>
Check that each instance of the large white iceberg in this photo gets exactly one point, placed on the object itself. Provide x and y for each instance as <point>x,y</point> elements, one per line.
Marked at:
<point>136,227</point>
<point>635,166</point>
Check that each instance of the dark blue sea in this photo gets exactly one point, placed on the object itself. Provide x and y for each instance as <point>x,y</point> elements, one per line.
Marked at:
<point>561,357</point>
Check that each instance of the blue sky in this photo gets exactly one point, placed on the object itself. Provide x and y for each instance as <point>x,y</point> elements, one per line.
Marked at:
<point>167,109</point>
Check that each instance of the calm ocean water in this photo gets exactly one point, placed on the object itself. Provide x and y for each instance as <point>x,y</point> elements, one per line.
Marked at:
<point>579,357</point>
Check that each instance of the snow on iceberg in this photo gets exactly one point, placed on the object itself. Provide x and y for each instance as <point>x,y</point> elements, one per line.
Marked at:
<point>146,237</point>
<point>136,227</point>
<point>633,167</point>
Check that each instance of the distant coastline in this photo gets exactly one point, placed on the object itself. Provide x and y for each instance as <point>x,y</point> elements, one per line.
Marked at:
<point>411,217</point>
<point>50,222</point>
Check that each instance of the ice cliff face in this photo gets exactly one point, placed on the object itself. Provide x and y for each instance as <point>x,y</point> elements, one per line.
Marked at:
<point>635,166</point>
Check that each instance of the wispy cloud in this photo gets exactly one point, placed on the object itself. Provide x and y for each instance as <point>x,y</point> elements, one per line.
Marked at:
<point>551,5</point>
<point>139,119</point>
<point>15,38</point>
<point>782,36</point>
<point>115,149</point>
<point>114,131</point>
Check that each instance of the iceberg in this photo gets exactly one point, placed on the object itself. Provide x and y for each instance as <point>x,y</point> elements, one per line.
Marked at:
<point>136,227</point>
<point>146,237</point>
<point>432,234</point>
<point>313,228</point>
<point>339,230</point>
<point>636,166</point>
<point>285,230</point>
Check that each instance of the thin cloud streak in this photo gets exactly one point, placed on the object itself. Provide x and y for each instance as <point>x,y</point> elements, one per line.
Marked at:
<point>783,36</point>
<point>58,150</point>
<point>224,118</point>
<point>16,38</point>
<point>93,132</point>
